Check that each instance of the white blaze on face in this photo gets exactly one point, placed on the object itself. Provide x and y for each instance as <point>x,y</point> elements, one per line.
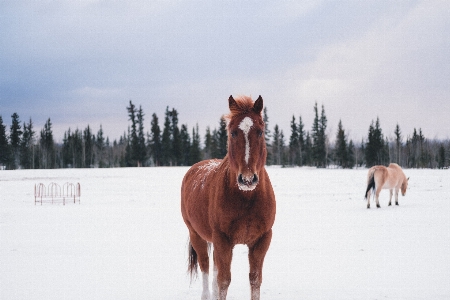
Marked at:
<point>245,125</point>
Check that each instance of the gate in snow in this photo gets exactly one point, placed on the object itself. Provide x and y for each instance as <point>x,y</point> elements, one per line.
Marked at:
<point>54,194</point>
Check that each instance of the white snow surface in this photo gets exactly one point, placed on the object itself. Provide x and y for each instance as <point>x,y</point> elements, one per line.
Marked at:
<point>127,240</point>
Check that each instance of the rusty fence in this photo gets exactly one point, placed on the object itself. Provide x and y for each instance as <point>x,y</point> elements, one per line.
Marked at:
<point>54,194</point>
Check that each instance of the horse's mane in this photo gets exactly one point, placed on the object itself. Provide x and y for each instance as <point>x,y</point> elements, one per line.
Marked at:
<point>244,104</point>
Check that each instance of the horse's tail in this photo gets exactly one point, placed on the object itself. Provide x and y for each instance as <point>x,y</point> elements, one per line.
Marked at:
<point>370,183</point>
<point>192,262</point>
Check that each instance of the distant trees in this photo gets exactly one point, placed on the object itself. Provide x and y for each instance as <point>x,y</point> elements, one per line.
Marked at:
<point>177,145</point>
<point>343,150</point>
<point>376,149</point>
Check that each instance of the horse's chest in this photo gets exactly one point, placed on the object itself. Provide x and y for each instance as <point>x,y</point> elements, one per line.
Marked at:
<point>245,228</point>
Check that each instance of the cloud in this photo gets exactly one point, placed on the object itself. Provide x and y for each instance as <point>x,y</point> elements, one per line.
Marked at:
<point>381,73</point>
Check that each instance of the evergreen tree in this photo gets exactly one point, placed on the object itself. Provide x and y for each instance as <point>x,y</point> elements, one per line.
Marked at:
<point>308,150</point>
<point>351,155</point>
<point>155,140</point>
<point>47,146</point>
<point>166,145</point>
<point>398,143</point>
<point>15,138</point>
<point>283,153</point>
<point>133,149</point>
<point>301,140</point>
<point>267,136</point>
<point>177,154</point>
<point>375,151</point>
<point>442,161</point>
<point>26,146</point>
<point>185,140</point>
<point>4,146</point>
<point>319,151</point>
<point>141,154</point>
<point>294,146</point>
<point>83,147</point>
<point>222,139</point>
<point>208,144</point>
<point>215,145</point>
<point>195,153</point>
<point>341,150</point>
<point>100,146</point>
<point>276,146</point>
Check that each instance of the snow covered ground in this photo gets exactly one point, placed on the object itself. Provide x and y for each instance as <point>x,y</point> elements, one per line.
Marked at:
<point>127,240</point>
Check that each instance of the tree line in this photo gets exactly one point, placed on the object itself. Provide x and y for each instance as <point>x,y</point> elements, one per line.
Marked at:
<point>176,145</point>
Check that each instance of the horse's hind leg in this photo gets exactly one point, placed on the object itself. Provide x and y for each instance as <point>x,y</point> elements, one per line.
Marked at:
<point>390,196</point>
<point>396,196</point>
<point>201,248</point>
<point>377,196</point>
<point>256,255</point>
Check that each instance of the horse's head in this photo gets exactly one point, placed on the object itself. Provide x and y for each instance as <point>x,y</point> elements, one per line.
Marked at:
<point>404,186</point>
<point>246,142</point>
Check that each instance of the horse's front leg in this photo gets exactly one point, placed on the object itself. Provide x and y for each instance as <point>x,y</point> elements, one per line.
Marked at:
<point>390,196</point>
<point>256,254</point>
<point>396,196</point>
<point>223,252</point>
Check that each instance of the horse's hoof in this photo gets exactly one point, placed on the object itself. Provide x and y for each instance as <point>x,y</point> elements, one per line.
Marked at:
<point>396,204</point>
<point>389,204</point>
<point>378,206</point>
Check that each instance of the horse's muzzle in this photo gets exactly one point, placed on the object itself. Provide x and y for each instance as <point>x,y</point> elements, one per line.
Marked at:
<point>247,183</point>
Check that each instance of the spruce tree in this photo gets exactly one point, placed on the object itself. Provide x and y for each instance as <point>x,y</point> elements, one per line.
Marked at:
<point>84,155</point>
<point>26,146</point>
<point>442,161</point>
<point>276,146</point>
<point>4,146</point>
<point>208,144</point>
<point>351,155</point>
<point>15,138</point>
<point>375,147</point>
<point>185,140</point>
<point>267,136</point>
<point>47,146</point>
<point>166,145</point>
<point>155,140</point>
<point>222,138</point>
<point>177,154</point>
<point>195,153</point>
<point>133,148</point>
<point>294,143</point>
<point>100,145</point>
<point>341,150</point>
<point>309,161</point>
<point>398,143</point>
<point>318,135</point>
<point>141,154</point>
<point>301,140</point>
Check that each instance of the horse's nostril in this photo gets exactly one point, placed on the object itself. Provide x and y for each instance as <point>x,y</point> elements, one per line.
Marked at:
<point>255,179</point>
<point>240,179</point>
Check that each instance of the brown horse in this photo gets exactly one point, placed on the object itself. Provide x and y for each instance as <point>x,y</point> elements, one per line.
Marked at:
<point>231,201</point>
<point>380,177</point>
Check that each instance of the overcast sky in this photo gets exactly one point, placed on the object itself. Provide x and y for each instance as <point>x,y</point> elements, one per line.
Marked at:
<point>81,62</point>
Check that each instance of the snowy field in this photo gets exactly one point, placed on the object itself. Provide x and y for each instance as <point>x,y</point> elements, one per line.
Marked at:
<point>127,240</point>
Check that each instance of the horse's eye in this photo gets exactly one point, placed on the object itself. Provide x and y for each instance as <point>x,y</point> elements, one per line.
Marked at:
<point>233,134</point>
<point>260,133</point>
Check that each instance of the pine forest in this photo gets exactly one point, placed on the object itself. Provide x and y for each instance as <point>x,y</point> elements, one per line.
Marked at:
<point>168,143</point>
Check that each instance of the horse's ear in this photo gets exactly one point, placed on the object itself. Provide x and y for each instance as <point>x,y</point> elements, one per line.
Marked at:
<point>258,106</point>
<point>232,104</point>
